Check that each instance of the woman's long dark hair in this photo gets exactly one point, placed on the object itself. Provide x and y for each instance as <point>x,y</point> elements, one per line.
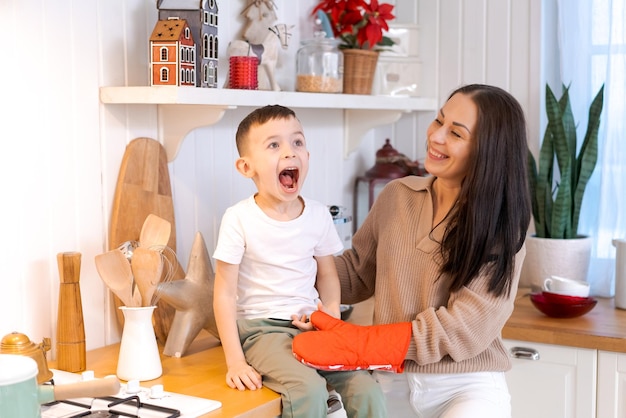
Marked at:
<point>488,224</point>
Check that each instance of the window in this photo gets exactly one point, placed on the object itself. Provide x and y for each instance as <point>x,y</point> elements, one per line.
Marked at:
<point>212,74</point>
<point>592,39</point>
<point>165,75</point>
<point>213,46</point>
<point>164,54</point>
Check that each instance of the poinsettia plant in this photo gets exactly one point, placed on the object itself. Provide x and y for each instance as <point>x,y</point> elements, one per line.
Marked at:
<point>357,23</point>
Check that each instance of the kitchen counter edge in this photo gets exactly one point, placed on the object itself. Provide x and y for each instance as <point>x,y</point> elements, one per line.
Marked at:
<point>604,328</point>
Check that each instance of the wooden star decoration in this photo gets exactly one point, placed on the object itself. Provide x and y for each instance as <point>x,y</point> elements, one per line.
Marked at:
<point>192,297</point>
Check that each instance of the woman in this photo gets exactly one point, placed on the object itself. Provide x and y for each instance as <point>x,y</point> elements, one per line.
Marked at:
<point>442,256</point>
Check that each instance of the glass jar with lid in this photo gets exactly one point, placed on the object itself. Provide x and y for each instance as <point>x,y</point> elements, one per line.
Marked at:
<point>319,65</point>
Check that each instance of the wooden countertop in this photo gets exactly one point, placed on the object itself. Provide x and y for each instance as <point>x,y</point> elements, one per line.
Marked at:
<point>201,372</point>
<point>604,328</point>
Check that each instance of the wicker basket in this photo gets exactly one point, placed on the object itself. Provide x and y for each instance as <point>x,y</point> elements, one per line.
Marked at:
<point>359,68</point>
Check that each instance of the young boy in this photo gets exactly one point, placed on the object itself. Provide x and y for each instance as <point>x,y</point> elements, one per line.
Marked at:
<point>274,264</point>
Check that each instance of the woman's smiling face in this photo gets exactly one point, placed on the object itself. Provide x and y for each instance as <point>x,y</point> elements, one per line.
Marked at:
<point>449,139</point>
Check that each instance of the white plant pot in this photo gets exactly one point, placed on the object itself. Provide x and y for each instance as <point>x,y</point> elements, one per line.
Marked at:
<point>546,257</point>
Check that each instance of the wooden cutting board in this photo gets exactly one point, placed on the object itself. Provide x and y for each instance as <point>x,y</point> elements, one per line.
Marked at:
<point>143,187</point>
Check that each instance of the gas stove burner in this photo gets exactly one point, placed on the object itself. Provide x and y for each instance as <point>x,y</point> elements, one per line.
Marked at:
<point>123,407</point>
<point>135,402</point>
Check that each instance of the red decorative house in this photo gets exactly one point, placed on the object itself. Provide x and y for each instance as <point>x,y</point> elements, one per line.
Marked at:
<point>172,54</point>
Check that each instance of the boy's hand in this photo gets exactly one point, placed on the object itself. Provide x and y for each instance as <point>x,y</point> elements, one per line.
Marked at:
<point>242,375</point>
<point>303,323</point>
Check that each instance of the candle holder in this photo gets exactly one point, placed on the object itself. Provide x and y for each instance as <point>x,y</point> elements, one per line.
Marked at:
<point>244,72</point>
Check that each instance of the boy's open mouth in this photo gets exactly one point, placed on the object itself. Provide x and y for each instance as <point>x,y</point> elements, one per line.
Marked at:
<point>289,178</point>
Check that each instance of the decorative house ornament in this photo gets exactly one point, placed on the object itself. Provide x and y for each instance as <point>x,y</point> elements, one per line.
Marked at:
<point>202,18</point>
<point>172,54</point>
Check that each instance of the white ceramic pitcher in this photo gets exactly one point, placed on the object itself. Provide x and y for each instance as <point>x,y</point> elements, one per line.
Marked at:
<point>620,273</point>
<point>139,354</point>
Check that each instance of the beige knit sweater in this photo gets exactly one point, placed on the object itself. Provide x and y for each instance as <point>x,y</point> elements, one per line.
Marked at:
<point>395,258</point>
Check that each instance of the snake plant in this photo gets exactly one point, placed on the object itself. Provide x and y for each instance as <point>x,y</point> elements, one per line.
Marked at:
<point>557,188</point>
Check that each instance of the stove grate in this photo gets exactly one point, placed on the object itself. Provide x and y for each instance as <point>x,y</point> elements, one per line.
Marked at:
<point>132,401</point>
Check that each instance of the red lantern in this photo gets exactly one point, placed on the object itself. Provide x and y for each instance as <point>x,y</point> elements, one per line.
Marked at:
<point>390,164</point>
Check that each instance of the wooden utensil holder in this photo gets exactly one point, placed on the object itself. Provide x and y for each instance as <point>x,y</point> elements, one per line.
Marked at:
<point>71,351</point>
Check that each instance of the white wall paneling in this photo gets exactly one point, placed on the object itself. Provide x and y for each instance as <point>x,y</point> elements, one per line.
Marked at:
<point>63,147</point>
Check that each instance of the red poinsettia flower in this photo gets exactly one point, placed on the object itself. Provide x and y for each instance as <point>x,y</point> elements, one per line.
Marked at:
<point>377,17</point>
<point>357,23</point>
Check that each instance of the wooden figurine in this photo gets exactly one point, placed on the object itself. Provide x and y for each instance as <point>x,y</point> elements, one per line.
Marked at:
<point>202,18</point>
<point>172,53</point>
<point>262,38</point>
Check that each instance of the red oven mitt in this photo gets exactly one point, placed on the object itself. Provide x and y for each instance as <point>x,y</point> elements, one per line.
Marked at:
<point>339,345</point>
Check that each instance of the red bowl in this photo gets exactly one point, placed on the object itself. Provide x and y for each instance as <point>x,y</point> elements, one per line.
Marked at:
<point>558,298</point>
<point>561,310</point>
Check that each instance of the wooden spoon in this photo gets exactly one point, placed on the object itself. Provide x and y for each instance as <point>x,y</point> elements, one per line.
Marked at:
<point>155,231</point>
<point>115,271</point>
<point>147,268</point>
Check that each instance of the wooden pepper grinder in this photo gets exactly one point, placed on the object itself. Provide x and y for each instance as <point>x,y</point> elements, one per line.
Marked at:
<point>71,352</point>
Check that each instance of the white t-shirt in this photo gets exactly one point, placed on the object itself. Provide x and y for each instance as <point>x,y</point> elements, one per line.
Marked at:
<point>276,265</point>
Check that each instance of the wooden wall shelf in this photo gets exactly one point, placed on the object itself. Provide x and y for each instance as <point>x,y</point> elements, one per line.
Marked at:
<point>182,109</point>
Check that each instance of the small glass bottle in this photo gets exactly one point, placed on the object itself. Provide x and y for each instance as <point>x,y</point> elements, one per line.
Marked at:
<point>319,65</point>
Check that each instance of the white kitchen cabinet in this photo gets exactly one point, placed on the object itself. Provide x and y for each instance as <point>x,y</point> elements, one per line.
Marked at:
<point>611,385</point>
<point>551,381</point>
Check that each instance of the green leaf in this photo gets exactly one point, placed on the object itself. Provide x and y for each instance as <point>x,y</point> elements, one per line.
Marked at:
<point>557,212</point>
<point>386,41</point>
<point>569,128</point>
<point>544,187</point>
<point>588,155</point>
<point>532,183</point>
<point>561,210</point>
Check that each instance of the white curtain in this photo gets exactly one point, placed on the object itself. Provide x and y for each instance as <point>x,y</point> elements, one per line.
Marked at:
<point>592,42</point>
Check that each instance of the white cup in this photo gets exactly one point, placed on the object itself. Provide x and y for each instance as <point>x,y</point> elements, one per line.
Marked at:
<point>564,286</point>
